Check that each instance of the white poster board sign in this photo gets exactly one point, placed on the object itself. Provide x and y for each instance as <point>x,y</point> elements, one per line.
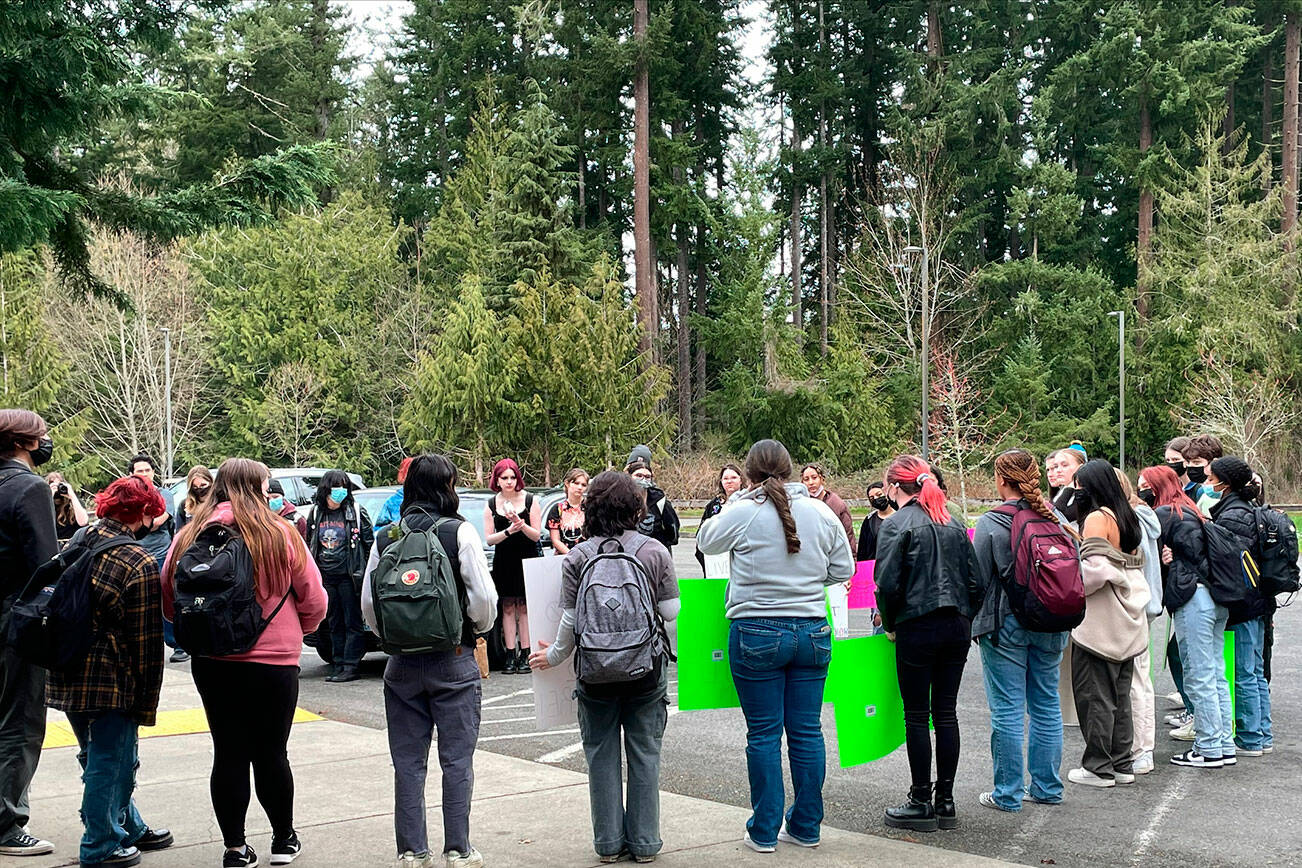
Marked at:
<point>553,688</point>
<point>838,600</point>
<point>718,566</point>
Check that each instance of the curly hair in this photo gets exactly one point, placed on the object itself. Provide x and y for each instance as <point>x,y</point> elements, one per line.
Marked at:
<point>129,500</point>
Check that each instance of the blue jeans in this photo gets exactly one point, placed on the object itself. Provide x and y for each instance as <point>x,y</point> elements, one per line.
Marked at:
<point>619,822</point>
<point>779,666</point>
<point>1200,632</point>
<point>1252,692</point>
<point>109,759</point>
<point>347,640</point>
<point>1020,670</point>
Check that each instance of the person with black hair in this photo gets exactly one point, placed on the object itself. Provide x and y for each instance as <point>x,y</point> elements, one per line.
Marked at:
<point>160,529</point>
<point>339,536</point>
<point>280,505</point>
<point>786,548</point>
<point>635,710</point>
<point>436,690</point>
<point>871,527</point>
<point>661,521</point>
<point>1115,629</point>
<point>28,538</point>
<point>1231,484</point>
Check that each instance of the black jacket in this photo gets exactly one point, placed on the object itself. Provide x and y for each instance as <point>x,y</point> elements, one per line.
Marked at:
<point>868,531</point>
<point>1238,516</point>
<point>421,517</point>
<point>661,520</point>
<point>923,566</point>
<point>27,529</point>
<point>361,535</point>
<point>1183,534</point>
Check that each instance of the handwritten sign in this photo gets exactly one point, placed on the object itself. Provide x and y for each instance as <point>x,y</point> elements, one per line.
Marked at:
<point>553,688</point>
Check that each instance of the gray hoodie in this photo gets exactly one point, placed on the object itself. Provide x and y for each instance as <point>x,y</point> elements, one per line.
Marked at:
<point>767,582</point>
<point>1152,530</point>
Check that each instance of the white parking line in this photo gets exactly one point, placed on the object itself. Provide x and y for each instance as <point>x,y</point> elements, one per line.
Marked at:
<point>496,699</point>
<point>508,720</point>
<point>570,750</point>
<point>529,734</point>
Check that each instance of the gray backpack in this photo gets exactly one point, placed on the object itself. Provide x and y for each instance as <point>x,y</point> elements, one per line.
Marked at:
<point>618,635</point>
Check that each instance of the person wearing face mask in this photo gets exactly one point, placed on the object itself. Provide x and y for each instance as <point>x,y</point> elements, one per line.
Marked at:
<point>1067,461</point>
<point>69,515</point>
<point>281,506</point>
<point>1198,456</point>
<point>339,536</point>
<point>1181,718</point>
<point>661,520</point>
<point>871,527</point>
<point>730,482</point>
<point>815,479</point>
<point>114,691</point>
<point>28,538</point>
<point>198,482</point>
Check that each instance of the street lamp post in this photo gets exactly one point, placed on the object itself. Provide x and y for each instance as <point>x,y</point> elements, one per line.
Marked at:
<point>926,342</point>
<point>167,396</point>
<point>1121,379</point>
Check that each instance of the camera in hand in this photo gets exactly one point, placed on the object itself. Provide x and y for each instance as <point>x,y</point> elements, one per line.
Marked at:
<point>63,488</point>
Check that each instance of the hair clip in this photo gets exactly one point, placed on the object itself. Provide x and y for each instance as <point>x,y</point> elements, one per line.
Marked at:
<point>922,477</point>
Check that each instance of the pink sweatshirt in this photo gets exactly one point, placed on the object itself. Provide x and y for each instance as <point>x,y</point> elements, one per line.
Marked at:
<point>282,642</point>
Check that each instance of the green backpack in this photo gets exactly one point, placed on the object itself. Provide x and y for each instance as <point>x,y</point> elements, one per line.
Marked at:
<point>416,597</point>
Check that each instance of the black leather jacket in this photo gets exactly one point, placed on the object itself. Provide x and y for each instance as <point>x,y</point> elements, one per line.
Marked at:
<point>923,566</point>
<point>1237,515</point>
<point>1183,533</point>
<point>27,530</point>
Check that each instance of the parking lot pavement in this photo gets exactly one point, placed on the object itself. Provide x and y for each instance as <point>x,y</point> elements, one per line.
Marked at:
<point>1172,817</point>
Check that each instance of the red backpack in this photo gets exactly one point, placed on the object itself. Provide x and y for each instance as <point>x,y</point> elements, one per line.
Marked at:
<point>1046,592</point>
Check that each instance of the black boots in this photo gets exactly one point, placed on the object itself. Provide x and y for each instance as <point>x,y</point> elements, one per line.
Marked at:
<point>946,812</point>
<point>522,664</point>
<point>917,814</point>
<point>512,662</point>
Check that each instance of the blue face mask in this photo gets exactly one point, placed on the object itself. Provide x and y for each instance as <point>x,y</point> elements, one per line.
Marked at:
<point>276,504</point>
<point>338,494</point>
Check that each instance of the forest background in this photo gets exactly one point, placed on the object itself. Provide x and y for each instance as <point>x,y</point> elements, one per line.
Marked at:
<point>435,250</point>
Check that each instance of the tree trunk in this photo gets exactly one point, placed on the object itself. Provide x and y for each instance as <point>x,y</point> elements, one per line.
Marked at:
<point>644,275</point>
<point>684,342</point>
<point>1288,161</point>
<point>583,198</point>
<point>702,308</point>
<point>1227,124</point>
<point>321,112</point>
<point>824,308</point>
<point>935,48</point>
<point>1267,112</point>
<point>1145,239</point>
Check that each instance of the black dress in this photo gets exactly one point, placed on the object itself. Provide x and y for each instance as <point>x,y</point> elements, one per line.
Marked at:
<point>510,554</point>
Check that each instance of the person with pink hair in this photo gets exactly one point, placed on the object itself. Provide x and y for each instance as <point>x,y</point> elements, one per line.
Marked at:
<point>512,525</point>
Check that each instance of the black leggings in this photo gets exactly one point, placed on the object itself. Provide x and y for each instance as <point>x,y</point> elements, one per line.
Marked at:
<point>930,653</point>
<point>250,708</point>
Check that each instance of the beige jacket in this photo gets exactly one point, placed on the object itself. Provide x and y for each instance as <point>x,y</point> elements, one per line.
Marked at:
<point>1116,593</point>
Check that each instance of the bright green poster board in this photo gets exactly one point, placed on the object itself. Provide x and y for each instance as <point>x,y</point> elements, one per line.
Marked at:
<point>1229,663</point>
<point>704,679</point>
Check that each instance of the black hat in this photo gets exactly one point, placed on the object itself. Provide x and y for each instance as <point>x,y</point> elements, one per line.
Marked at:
<point>1233,471</point>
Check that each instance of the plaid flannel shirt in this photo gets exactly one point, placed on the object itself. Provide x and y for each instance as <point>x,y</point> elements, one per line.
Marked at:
<point>124,669</point>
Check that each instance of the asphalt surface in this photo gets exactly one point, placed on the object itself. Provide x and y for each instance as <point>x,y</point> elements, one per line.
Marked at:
<point>1245,815</point>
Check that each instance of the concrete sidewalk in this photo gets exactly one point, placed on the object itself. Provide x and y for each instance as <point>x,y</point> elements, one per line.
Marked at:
<point>525,814</point>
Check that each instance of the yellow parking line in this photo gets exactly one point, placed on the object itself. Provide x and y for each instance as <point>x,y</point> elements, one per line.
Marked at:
<point>183,722</point>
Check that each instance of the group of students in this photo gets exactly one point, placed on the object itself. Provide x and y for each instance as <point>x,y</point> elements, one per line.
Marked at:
<point>936,593</point>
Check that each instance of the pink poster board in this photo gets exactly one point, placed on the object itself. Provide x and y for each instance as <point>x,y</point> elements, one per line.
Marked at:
<point>862,586</point>
<point>971,534</point>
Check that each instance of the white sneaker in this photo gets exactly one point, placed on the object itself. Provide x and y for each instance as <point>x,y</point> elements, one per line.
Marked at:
<point>1184,733</point>
<point>758,848</point>
<point>1178,719</point>
<point>784,835</point>
<point>1123,777</point>
<point>472,858</point>
<point>1144,762</point>
<point>1192,759</point>
<point>1089,779</point>
<point>1175,699</point>
<point>416,860</point>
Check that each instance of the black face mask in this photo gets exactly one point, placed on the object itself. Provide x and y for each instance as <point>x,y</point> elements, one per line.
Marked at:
<point>1197,473</point>
<point>879,502</point>
<point>1177,467</point>
<point>1147,495</point>
<point>43,452</point>
<point>142,532</point>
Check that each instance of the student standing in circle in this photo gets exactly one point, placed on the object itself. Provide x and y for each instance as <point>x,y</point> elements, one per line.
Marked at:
<point>339,536</point>
<point>928,589</point>
<point>1115,629</point>
<point>815,479</point>
<point>730,482</point>
<point>249,698</point>
<point>436,690</point>
<point>69,515</point>
<point>565,518</point>
<point>198,482</point>
<point>624,706</point>
<point>872,525</point>
<point>661,519</point>
<point>786,548</point>
<point>513,526</point>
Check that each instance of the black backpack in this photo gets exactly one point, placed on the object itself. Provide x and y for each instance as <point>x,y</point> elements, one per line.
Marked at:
<point>1231,569</point>
<point>51,624</point>
<point>1277,552</point>
<point>216,610</point>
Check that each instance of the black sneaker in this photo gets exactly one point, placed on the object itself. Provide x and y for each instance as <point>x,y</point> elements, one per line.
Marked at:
<point>154,839</point>
<point>236,859</point>
<point>286,850</point>
<point>346,673</point>
<point>123,857</point>
<point>24,844</point>
<point>1194,760</point>
<point>178,656</point>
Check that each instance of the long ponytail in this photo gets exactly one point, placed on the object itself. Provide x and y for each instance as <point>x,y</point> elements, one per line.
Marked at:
<point>769,464</point>
<point>913,476</point>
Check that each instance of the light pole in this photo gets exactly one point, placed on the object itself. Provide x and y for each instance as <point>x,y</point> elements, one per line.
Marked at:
<point>926,341</point>
<point>1121,379</point>
<point>167,396</point>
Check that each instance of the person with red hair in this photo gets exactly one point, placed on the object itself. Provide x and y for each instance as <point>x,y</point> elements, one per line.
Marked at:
<point>114,691</point>
<point>512,525</point>
<point>928,589</point>
<point>392,509</point>
<point>1199,618</point>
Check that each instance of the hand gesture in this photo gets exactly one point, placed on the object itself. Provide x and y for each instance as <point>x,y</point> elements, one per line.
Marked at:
<point>538,659</point>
